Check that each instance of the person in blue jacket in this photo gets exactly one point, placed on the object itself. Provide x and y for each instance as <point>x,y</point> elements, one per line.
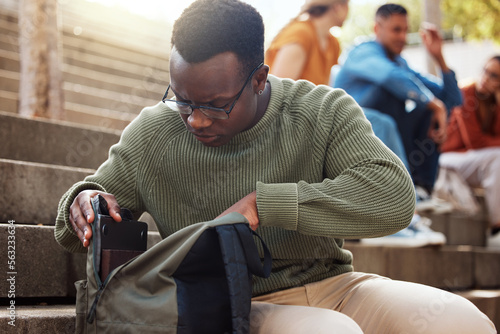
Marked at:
<point>381,81</point>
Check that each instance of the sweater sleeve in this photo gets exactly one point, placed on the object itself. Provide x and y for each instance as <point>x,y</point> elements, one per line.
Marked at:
<point>366,190</point>
<point>118,176</point>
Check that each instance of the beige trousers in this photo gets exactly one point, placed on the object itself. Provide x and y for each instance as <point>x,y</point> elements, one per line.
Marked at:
<point>365,303</point>
<point>479,168</point>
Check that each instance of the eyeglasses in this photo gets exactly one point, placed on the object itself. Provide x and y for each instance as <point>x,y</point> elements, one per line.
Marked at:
<point>210,112</point>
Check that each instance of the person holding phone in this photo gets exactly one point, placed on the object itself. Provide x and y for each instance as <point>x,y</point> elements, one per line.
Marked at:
<point>472,147</point>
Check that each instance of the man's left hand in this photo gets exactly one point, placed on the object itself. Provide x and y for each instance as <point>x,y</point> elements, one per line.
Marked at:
<point>247,206</point>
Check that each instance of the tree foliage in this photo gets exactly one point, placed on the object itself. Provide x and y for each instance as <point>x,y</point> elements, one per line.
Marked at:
<point>472,19</point>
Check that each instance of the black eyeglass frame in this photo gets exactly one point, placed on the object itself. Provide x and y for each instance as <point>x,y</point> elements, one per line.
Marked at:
<point>224,113</point>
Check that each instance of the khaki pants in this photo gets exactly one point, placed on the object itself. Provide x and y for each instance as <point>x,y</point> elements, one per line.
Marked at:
<point>365,303</point>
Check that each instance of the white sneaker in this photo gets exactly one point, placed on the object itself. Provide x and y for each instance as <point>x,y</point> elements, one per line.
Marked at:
<point>434,204</point>
<point>493,241</point>
<point>418,234</point>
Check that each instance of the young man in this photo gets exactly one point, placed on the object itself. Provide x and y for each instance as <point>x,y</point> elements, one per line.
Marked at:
<point>378,77</point>
<point>300,162</point>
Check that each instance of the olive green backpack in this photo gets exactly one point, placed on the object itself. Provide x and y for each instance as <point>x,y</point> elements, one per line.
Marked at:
<point>197,280</point>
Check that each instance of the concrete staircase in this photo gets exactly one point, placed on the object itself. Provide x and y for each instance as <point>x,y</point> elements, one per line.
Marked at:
<point>113,63</point>
<point>107,82</point>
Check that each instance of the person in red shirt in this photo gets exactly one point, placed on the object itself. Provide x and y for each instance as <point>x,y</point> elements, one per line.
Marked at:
<point>472,148</point>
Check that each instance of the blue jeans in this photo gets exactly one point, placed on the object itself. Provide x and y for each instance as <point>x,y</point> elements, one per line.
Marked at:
<point>386,129</point>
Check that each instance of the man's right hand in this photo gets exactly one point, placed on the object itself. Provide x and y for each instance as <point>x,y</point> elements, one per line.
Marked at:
<point>81,214</point>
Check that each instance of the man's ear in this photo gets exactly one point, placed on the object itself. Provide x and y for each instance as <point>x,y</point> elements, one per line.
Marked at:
<point>376,27</point>
<point>261,77</point>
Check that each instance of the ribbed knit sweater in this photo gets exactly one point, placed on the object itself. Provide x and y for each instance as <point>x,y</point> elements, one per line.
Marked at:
<point>320,174</point>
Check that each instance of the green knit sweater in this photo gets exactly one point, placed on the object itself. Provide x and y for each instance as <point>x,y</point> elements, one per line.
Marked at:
<point>320,173</point>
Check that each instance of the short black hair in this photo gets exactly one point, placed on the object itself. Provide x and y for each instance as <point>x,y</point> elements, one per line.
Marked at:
<point>389,9</point>
<point>209,27</point>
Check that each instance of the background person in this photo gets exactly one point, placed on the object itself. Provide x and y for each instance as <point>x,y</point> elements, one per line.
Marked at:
<point>305,48</point>
<point>472,147</point>
<point>299,161</point>
<point>408,111</point>
<point>376,75</point>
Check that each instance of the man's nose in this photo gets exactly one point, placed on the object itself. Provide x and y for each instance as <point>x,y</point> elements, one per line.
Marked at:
<point>197,120</point>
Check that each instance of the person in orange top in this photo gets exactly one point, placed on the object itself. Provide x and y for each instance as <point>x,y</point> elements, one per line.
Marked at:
<point>305,48</point>
<point>472,147</point>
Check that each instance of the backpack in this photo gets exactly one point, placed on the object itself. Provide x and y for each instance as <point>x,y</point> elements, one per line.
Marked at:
<point>197,280</point>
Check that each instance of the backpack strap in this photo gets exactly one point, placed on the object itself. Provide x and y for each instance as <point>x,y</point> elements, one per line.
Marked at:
<point>255,266</point>
<point>241,260</point>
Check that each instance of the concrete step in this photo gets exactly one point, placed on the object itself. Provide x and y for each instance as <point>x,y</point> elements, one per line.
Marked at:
<point>9,101</point>
<point>145,90</point>
<point>80,114</point>
<point>9,60</point>
<point>446,267</point>
<point>42,268</point>
<point>149,87</point>
<point>115,67</point>
<point>9,41</point>
<point>8,22</point>
<point>35,186</point>
<point>105,99</point>
<point>10,81</point>
<point>460,228</point>
<point>54,142</point>
<point>89,44</point>
<point>56,319</point>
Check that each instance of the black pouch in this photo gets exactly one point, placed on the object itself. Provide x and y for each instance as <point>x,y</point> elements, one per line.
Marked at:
<point>115,243</point>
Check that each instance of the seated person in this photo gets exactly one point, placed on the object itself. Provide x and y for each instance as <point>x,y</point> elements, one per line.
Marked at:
<point>299,161</point>
<point>472,147</point>
<point>305,48</point>
<point>391,93</point>
<point>376,75</point>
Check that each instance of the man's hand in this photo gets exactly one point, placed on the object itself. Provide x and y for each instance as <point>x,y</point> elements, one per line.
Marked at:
<point>433,43</point>
<point>437,128</point>
<point>81,214</point>
<point>247,206</point>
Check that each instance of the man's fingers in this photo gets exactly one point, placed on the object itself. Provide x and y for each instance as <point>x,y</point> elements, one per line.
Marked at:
<point>113,207</point>
<point>114,212</point>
